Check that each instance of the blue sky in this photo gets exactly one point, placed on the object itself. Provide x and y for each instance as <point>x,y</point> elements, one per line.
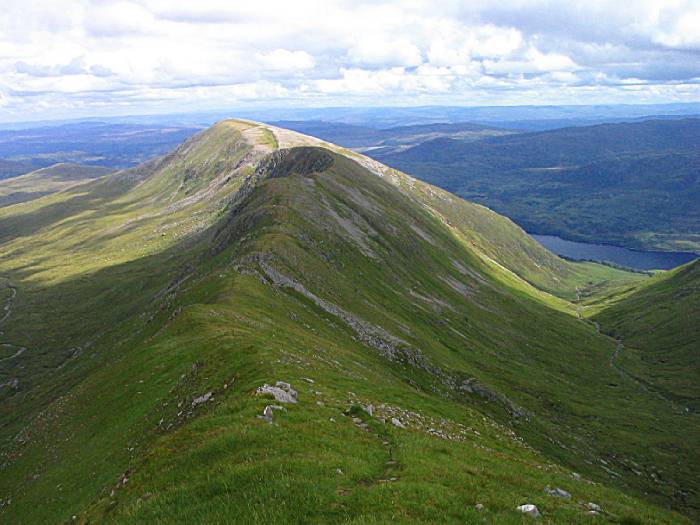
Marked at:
<point>77,58</point>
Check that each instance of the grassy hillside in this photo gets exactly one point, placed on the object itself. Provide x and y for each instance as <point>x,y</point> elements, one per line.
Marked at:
<point>659,328</point>
<point>45,181</point>
<point>631,184</point>
<point>253,255</point>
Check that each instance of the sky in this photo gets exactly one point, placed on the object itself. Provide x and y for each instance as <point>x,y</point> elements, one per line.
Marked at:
<point>74,58</point>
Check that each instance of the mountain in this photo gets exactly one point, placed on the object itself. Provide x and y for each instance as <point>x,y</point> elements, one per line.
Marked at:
<point>630,184</point>
<point>390,140</point>
<point>160,322</point>
<point>45,181</point>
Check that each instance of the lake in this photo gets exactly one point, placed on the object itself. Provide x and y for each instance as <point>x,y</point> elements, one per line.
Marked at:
<point>637,259</point>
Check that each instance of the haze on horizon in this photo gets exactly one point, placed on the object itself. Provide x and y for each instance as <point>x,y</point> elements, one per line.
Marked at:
<point>68,58</point>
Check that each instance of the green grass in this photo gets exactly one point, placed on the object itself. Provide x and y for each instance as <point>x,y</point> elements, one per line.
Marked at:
<point>173,311</point>
<point>46,181</point>
<point>658,324</point>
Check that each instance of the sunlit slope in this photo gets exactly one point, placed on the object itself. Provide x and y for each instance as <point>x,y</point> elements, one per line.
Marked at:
<point>46,181</point>
<point>659,326</point>
<point>232,263</point>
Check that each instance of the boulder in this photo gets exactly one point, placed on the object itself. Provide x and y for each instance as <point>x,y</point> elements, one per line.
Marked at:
<point>397,423</point>
<point>530,510</point>
<point>557,492</point>
<point>201,399</point>
<point>282,392</point>
<point>267,413</point>
<point>593,507</point>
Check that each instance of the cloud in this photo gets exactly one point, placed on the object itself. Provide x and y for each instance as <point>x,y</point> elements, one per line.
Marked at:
<point>87,56</point>
<point>119,19</point>
<point>285,60</point>
<point>376,50</point>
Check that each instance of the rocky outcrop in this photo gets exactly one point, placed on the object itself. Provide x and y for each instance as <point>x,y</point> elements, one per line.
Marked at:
<point>557,492</point>
<point>282,392</point>
<point>302,160</point>
<point>530,510</point>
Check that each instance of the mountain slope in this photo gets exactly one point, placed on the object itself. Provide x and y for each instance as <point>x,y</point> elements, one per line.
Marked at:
<point>634,184</point>
<point>252,255</point>
<point>45,181</point>
<point>660,334</point>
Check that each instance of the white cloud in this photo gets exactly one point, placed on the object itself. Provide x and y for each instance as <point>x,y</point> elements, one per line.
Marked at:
<point>118,19</point>
<point>376,50</point>
<point>285,60</point>
<point>679,28</point>
<point>86,56</point>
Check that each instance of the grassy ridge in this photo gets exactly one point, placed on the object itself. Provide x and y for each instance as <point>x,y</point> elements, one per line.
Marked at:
<point>381,290</point>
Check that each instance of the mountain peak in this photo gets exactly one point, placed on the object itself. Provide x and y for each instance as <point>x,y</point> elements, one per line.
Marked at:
<point>417,334</point>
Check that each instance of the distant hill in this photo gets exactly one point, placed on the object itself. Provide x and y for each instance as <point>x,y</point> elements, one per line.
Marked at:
<point>46,181</point>
<point>393,139</point>
<point>632,184</point>
<point>114,145</point>
<point>10,168</point>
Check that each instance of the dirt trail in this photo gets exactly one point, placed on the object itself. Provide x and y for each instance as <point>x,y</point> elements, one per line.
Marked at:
<point>677,407</point>
<point>20,350</point>
<point>8,307</point>
<point>7,312</point>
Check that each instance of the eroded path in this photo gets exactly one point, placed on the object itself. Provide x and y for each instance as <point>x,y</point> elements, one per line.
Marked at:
<point>7,311</point>
<point>643,385</point>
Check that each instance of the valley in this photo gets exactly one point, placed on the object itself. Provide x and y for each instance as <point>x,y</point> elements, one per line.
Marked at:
<point>633,185</point>
<point>622,257</point>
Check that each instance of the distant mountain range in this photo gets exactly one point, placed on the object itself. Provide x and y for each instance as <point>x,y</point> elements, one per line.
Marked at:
<point>632,184</point>
<point>390,140</point>
<point>114,145</point>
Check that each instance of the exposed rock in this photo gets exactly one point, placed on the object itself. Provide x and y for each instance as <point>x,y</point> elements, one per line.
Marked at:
<point>479,506</point>
<point>202,399</point>
<point>557,492</point>
<point>530,510</point>
<point>397,423</point>
<point>301,160</point>
<point>267,413</point>
<point>593,507</point>
<point>282,392</point>
<point>473,386</point>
